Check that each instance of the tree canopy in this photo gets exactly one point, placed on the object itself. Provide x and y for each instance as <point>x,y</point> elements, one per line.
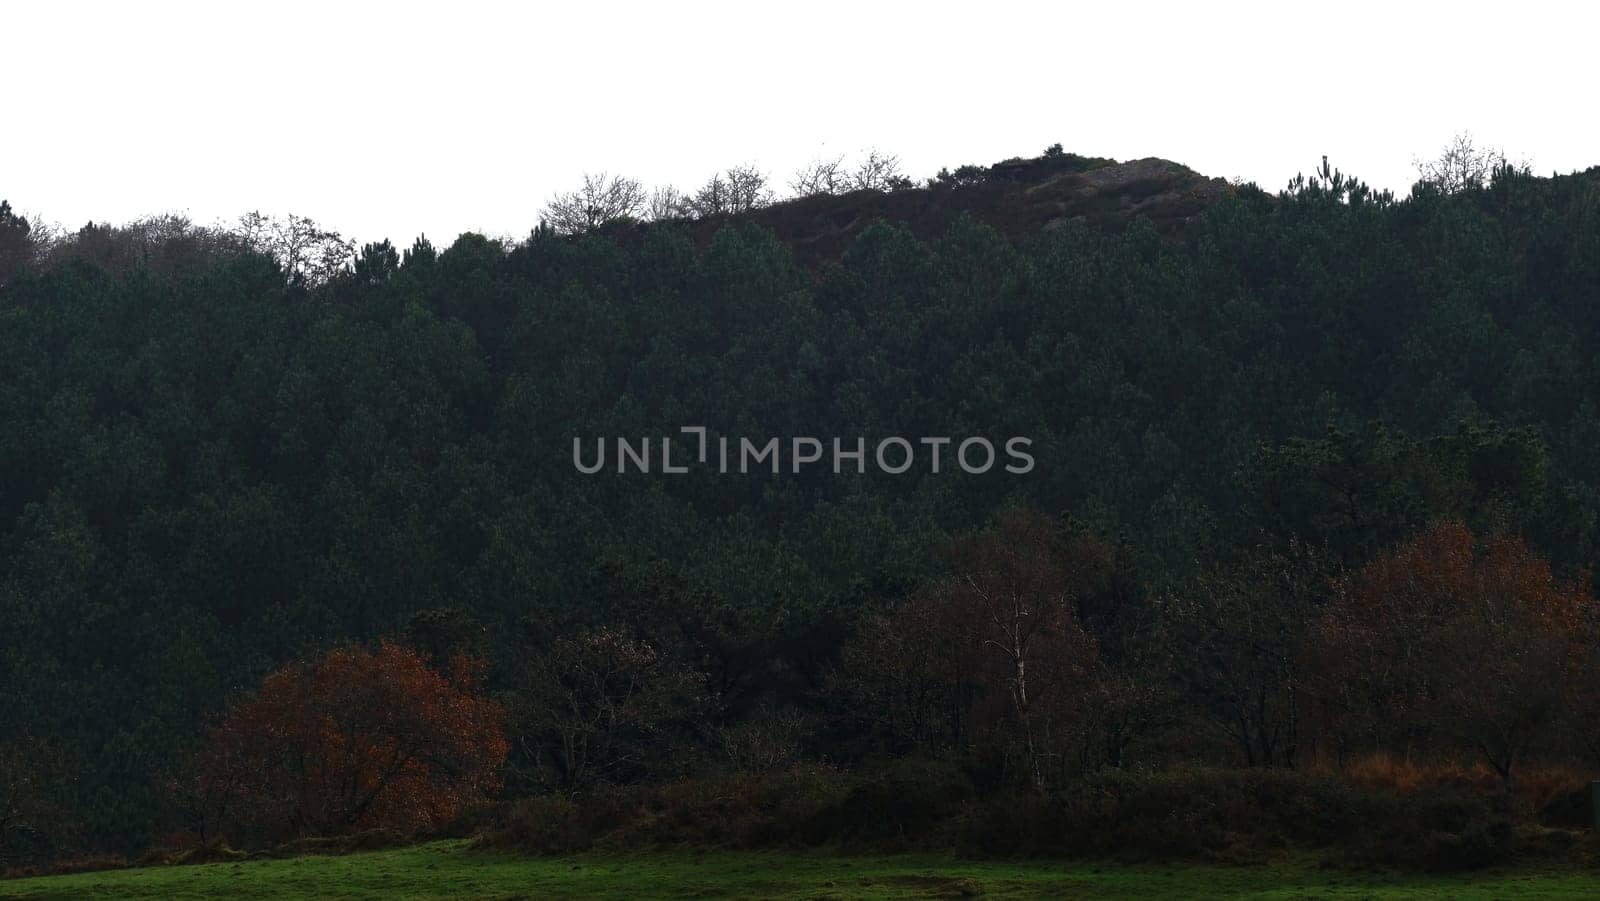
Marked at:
<point>212,466</point>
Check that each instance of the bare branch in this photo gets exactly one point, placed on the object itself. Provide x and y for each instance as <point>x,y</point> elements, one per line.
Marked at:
<point>879,172</point>
<point>1463,165</point>
<point>820,177</point>
<point>603,199</point>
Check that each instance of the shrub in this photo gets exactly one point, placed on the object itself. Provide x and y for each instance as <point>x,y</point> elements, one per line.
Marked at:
<point>87,864</point>
<point>1196,813</point>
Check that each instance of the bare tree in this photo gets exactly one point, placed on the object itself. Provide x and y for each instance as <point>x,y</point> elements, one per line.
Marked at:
<point>747,189</point>
<point>173,240</point>
<point>598,707</point>
<point>601,200</point>
<point>711,199</point>
<point>768,741</point>
<point>739,189</point>
<point>820,177</point>
<point>308,253</point>
<point>1463,164</point>
<point>1234,641</point>
<point>164,242</point>
<point>24,240</point>
<point>879,172</point>
<point>668,204</point>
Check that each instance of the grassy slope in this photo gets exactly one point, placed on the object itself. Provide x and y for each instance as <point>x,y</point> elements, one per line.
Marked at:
<point>451,869</point>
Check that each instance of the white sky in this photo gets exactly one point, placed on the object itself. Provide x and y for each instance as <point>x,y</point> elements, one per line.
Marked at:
<point>390,120</point>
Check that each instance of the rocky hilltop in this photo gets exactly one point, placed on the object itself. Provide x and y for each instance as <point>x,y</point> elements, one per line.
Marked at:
<point>1016,197</point>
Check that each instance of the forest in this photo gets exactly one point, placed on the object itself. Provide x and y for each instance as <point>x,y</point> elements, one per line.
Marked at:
<point>292,542</point>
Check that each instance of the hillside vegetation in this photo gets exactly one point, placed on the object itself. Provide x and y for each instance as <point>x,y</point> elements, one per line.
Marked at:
<point>1274,435</point>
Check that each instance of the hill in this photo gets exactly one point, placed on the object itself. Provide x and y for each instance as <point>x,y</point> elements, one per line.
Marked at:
<point>216,461</point>
<point>1017,198</point>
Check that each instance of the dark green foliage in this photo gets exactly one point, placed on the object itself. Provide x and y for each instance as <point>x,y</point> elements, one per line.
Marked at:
<point>205,471</point>
<point>1236,816</point>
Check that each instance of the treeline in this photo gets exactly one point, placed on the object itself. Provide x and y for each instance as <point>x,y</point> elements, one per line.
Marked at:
<point>217,461</point>
<point>1028,674</point>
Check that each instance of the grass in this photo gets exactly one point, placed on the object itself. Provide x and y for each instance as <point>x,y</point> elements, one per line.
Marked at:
<point>456,870</point>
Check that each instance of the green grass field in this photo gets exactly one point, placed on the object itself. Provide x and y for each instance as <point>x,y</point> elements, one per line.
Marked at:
<point>454,870</point>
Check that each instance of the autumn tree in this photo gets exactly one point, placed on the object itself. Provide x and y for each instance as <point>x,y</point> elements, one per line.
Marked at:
<point>1446,639</point>
<point>991,654</point>
<point>601,199</point>
<point>355,740</point>
<point>598,707</point>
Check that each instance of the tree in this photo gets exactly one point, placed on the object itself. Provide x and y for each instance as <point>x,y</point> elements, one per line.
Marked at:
<point>1581,723</point>
<point>1356,492</point>
<point>598,708</point>
<point>1235,640</point>
<point>307,253</point>
<point>601,200</point>
<point>1463,164</point>
<point>1475,644</point>
<point>820,176</point>
<point>377,263</point>
<point>668,204</point>
<point>354,740</point>
<point>912,676</point>
<point>1023,599</point>
<point>739,189</point>
<point>747,189</point>
<point>1130,697</point>
<point>991,654</point>
<point>16,242</point>
<point>23,811</point>
<point>445,636</point>
<point>963,177</point>
<point>879,172</point>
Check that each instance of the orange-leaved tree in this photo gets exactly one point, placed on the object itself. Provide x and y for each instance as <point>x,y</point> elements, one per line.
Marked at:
<point>1450,644</point>
<point>355,740</point>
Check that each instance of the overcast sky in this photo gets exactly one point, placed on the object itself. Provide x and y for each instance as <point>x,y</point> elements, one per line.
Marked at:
<point>390,120</point>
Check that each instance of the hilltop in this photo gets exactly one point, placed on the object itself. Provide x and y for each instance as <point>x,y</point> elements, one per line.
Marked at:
<point>1016,197</point>
<point>226,455</point>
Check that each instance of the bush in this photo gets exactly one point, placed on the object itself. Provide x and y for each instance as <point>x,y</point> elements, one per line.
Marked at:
<point>1233,814</point>
<point>88,864</point>
<point>1194,813</point>
<point>790,808</point>
<point>216,851</point>
<point>904,800</point>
